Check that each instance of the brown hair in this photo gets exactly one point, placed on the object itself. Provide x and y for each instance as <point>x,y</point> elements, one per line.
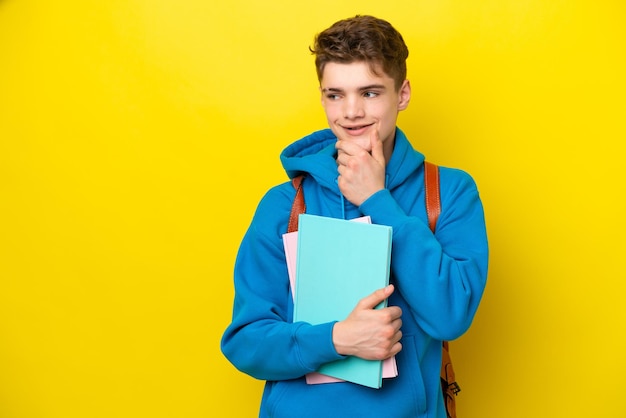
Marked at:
<point>366,39</point>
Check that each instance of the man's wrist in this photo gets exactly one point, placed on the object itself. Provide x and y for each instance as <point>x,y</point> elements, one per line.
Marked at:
<point>339,342</point>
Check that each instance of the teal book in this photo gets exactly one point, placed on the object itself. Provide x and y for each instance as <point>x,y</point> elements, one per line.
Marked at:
<point>338,263</point>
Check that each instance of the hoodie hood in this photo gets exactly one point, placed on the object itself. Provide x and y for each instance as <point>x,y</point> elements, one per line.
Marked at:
<point>315,155</point>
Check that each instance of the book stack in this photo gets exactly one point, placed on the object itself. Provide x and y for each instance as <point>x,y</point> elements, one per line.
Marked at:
<point>332,264</point>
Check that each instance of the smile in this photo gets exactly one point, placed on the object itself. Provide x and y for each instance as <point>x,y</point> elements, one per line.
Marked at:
<point>357,128</point>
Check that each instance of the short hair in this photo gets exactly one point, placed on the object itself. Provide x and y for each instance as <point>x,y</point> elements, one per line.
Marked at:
<point>362,39</point>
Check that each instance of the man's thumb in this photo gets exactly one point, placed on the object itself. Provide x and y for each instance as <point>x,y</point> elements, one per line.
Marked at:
<point>377,147</point>
<point>374,299</point>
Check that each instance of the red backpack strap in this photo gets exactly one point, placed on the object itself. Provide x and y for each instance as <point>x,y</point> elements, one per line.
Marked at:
<point>433,208</point>
<point>298,205</point>
<point>433,198</point>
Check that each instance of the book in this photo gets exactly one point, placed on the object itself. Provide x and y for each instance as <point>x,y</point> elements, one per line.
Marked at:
<point>338,263</point>
<point>290,243</point>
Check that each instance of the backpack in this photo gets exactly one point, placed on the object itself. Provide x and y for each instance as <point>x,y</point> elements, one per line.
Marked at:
<point>449,386</point>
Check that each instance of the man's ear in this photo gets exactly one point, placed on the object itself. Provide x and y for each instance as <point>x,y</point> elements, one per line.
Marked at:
<point>404,95</point>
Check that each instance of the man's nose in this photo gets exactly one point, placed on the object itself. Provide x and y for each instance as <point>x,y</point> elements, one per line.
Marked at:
<point>353,108</point>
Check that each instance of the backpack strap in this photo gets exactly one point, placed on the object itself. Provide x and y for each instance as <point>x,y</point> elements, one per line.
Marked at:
<point>449,386</point>
<point>433,208</point>
<point>298,205</point>
<point>433,197</point>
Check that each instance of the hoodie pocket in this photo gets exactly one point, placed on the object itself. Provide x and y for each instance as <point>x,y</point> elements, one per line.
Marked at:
<point>273,393</point>
<point>413,378</point>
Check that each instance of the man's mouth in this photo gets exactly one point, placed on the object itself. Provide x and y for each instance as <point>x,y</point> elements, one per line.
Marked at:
<point>358,128</point>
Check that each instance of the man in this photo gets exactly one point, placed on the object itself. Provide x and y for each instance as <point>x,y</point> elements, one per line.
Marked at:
<point>362,165</point>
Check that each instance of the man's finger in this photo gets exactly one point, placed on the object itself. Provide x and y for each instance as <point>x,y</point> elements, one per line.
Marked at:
<point>377,147</point>
<point>375,298</point>
<point>348,147</point>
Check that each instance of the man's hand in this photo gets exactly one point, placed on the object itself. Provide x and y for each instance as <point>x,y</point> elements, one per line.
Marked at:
<point>361,171</point>
<point>368,333</point>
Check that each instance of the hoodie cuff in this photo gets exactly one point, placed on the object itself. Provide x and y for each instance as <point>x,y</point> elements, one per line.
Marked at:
<point>316,345</point>
<point>383,209</point>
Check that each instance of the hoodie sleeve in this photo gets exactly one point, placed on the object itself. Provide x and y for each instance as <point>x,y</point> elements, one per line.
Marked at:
<point>262,340</point>
<point>442,276</point>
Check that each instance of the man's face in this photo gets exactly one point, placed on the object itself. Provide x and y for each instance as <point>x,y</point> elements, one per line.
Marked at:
<point>357,101</point>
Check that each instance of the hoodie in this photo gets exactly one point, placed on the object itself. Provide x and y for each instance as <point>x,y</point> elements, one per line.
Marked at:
<point>439,280</point>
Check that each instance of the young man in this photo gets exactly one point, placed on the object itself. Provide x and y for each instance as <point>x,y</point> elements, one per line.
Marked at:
<point>362,165</point>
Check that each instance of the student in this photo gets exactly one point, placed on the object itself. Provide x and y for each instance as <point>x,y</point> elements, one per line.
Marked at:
<point>362,165</point>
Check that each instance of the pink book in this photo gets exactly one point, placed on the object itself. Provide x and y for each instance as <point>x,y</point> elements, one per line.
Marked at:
<point>290,242</point>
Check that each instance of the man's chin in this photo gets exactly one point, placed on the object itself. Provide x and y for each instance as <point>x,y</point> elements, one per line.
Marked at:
<point>363,142</point>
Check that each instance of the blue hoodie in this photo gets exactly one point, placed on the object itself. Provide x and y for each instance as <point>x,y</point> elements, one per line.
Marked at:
<point>439,280</point>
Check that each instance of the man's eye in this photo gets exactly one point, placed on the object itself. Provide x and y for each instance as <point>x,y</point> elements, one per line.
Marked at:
<point>370,94</point>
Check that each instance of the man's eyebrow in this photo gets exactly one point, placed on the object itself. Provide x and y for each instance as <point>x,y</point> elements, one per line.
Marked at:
<point>372,87</point>
<point>364,88</point>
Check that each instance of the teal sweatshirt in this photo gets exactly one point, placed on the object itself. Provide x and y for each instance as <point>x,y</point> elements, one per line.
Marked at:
<point>439,280</point>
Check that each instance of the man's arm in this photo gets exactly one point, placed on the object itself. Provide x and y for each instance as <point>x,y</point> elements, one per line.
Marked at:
<point>442,276</point>
<point>261,340</point>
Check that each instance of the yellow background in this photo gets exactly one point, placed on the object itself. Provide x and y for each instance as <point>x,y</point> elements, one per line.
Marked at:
<point>137,136</point>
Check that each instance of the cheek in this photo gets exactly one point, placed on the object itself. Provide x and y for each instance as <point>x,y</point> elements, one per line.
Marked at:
<point>389,116</point>
<point>331,112</point>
